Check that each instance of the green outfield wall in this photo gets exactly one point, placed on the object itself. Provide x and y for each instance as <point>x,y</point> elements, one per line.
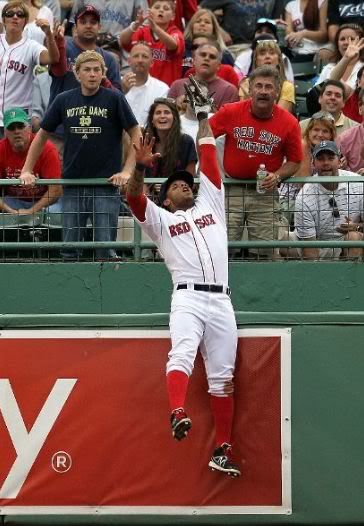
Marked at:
<point>321,302</point>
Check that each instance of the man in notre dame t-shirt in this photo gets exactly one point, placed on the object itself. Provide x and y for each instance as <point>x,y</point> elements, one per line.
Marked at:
<point>93,118</point>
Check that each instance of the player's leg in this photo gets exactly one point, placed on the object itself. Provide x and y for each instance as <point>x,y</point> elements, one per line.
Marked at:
<point>219,353</point>
<point>186,329</point>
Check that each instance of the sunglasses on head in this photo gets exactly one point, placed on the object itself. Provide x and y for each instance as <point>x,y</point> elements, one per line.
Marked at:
<point>266,21</point>
<point>335,210</point>
<point>16,126</point>
<point>323,115</point>
<point>11,14</point>
<point>162,100</point>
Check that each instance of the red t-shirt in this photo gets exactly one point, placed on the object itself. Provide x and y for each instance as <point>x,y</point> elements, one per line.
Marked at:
<point>251,141</point>
<point>225,72</point>
<point>167,65</point>
<point>48,166</point>
<point>351,108</point>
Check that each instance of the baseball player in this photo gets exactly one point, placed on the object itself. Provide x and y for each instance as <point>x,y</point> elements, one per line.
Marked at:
<point>191,235</point>
<point>19,55</point>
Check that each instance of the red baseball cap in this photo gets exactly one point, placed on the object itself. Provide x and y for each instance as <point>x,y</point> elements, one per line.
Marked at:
<point>87,10</point>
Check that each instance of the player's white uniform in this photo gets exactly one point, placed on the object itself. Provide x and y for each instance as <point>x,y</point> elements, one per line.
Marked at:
<point>16,73</point>
<point>194,246</point>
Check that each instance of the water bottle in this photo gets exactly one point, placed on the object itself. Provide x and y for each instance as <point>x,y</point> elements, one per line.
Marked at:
<point>261,173</point>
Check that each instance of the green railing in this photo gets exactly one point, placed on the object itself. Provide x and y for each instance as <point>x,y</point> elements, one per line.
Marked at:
<point>43,221</point>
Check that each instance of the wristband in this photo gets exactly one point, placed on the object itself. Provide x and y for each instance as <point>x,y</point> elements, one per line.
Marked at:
<point>140,167</point>
<point>278,179</point>
<point>132,26</point>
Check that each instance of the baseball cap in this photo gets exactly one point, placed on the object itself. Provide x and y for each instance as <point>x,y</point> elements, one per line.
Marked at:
<point>15,115</point>
<point>179,175</point>
<point>325,146</point>
<point>266,22</point>
<point>87,10</point>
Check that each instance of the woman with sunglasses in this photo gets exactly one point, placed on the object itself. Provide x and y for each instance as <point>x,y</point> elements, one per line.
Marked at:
<point>306,30</point>
<point>268,53</point>
<point>204,24</point>
<point>37,11</point>
<point>19,55</point>
<point>177,150</point>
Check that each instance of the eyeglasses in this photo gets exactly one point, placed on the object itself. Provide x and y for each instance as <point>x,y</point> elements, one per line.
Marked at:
<point>16,126</point>
<point>335,210</point>
<point>323,115</point>
<point>11,14</point>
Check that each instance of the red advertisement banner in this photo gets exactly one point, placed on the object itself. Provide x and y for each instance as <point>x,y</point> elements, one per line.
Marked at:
<point>84,426</point>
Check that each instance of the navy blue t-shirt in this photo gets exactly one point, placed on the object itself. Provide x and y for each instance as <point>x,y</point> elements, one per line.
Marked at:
<point>93,127</point>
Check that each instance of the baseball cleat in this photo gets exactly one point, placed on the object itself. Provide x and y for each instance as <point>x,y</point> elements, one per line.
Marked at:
<point>221,461</point>
<point>180,423</point>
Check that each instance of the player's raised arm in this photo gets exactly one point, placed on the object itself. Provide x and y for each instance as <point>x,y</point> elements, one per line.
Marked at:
<point>144,157</point>
<point>201,102</point>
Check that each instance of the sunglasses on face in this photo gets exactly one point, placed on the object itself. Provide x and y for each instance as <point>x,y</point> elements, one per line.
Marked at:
<point>16,126</point>
<point>335,210</point>
<point>11,14</point>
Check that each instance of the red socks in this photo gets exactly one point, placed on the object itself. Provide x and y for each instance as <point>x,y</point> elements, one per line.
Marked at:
<point>223,411</point>
<point>177,383</point>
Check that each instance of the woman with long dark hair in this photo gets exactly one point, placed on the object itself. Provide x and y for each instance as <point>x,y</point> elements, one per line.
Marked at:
<point>306,30</point>
<point>177,149</point>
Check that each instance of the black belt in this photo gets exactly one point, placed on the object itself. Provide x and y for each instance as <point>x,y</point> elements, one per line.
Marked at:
<point>205,287</point>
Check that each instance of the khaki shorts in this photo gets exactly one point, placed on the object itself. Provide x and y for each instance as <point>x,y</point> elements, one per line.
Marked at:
<point>259,214</point>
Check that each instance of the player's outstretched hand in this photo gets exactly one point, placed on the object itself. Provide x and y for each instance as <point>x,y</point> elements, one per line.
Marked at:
<point>199,98</point>
<point>144,151</point>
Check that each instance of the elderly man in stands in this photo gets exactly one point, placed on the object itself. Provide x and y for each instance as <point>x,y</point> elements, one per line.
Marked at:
<point>257,131</point>
<point>332,100</point>
<point>139,87</point>
<point>207,60</point>
<point>351,142</point>
<point>19,199</point>
<point>329,211</point>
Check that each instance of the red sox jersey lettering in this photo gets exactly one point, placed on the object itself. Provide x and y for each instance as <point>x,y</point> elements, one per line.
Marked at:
<point>183,228</point>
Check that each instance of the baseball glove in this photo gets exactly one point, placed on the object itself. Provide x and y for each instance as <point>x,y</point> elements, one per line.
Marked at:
<point>200,101</point>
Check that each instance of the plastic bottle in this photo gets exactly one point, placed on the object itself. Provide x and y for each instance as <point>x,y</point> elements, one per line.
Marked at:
<point>261,173</point>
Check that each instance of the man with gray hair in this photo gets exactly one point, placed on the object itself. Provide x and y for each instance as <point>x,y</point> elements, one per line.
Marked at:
<point>257,132</point>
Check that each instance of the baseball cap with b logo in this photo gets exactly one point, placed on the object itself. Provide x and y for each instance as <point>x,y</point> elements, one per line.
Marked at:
<point>325,146</point>
<point>15,115</point>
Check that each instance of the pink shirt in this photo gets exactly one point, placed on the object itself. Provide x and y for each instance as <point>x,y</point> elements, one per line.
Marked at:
<point>351,144</point>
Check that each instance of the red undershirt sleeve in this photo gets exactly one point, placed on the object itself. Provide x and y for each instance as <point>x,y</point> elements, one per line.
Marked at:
<point>208,160</point>
<point>138,205</point>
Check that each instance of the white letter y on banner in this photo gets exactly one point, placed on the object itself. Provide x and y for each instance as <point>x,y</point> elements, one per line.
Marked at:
<point>28,445</point>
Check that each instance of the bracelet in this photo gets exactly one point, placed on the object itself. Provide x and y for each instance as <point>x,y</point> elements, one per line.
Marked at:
<point>358,228</point>
<point>278,179</point>
<point>140,167</point>
<point>132,26</point>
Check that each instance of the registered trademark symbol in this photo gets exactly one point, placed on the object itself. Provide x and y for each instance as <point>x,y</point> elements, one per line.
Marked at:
<point>61,462</point>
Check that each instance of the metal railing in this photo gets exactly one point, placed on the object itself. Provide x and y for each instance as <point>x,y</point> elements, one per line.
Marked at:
<point>38,237</point>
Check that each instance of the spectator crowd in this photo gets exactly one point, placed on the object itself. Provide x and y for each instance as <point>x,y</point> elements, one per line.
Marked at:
<point>84,80</point>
